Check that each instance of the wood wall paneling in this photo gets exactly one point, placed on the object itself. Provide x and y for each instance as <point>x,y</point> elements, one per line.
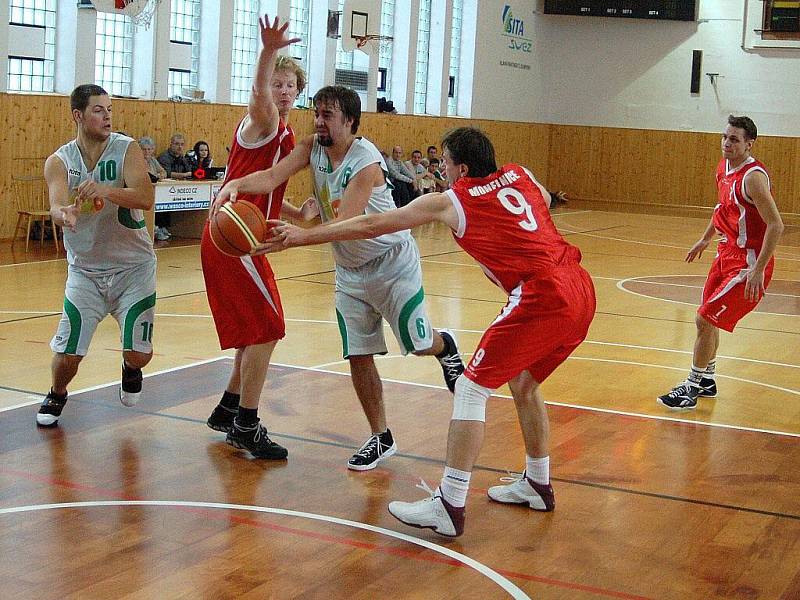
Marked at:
<point>645,170</point>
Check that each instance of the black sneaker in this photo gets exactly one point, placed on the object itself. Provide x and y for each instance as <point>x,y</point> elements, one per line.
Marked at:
<point>221,418</point>
<point>50,410</point>
<point>450,359</point>
<point>708,388</point>
<point>256,441</point>
<point>130,388</point>
<point>374,450</point>
<point>681,397</point>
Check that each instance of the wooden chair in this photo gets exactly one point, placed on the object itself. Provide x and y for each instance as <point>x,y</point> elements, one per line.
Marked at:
<point>30,200</point>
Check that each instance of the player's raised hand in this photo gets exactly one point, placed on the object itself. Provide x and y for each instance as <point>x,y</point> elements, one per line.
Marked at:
<point>696,251</point>
<point>274,35</point>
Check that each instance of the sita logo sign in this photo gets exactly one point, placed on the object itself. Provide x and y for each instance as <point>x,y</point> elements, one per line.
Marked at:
<point>514,29</point>
<point>511,25</point>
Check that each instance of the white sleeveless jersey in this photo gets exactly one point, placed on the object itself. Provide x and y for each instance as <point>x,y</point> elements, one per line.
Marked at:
<point>113,238</point>
<point>329,187</point>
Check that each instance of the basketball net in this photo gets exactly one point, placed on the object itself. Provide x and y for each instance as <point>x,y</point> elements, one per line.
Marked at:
<point>383,42</point>
<point>140,12</point>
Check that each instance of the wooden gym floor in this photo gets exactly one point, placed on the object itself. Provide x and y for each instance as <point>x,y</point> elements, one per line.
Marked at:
<point>150,503</point>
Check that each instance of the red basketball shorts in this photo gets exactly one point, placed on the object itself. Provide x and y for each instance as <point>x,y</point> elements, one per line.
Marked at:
<point>544,320</point>
<point>243,297</point>
<point>724,303</point>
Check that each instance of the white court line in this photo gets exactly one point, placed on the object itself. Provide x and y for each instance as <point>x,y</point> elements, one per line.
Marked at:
<point>105,385</point>
<point>699,287</point>
<point>487,572</point>
<point>621,283</point>
<point>684,248</point>
<point>582,407</point>
<point>480,332</point>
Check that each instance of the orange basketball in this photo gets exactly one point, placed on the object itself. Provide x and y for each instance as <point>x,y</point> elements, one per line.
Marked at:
<point>238,227</point>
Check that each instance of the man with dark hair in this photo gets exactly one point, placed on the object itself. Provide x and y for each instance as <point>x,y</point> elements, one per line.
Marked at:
<point>420,172</point>
<point>748,219</point>
<point>501,218</point>
<point>432,153</point>
<point>242,292</point>
<point>350,178</point>
<point>99,188</point>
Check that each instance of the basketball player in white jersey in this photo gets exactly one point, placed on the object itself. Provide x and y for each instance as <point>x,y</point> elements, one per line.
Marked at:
<point>376,279</point>
<point>99,188</point>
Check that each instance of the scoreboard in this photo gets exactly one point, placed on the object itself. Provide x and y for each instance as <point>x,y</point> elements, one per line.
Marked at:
<point>671,10</point>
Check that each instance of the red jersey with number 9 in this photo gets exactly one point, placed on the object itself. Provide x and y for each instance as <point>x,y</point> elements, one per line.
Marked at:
<point>504,224</point>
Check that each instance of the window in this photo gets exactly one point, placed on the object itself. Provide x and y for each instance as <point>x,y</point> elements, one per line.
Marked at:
<point>114,53</point>
<point>184,28</point>
<point>33,73</point>
<point>246,45</point>
<point>781,20</point>
<point>300,27</point>
<point>385,56</point>
<point>455,57</point>
<point>344,60</point>
<point>423,41</point>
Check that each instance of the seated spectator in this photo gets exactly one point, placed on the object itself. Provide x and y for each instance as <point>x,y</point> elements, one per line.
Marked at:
<point>432,153</point>
<point>200,156</point>
<point>154,168</point>
<point>174,162</point>
<point>177,166</point>
<point>427,183</point>
<point>439,181</point>
<point>415,166</point>
<point>401,178</point>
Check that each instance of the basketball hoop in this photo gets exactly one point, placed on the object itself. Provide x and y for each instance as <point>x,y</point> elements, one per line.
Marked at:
<point>140,12</point>
<point>381,41</point>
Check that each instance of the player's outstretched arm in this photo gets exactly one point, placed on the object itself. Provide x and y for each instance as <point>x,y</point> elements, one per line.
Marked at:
<point>261,109</point>
<point>757,186</point>
<point>425,209</point>
<point>263,182</point>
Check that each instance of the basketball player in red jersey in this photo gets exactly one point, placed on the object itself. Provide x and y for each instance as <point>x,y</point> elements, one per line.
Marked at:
<point>751,226</point>
<point>501,218</point>
<point>242,292</point>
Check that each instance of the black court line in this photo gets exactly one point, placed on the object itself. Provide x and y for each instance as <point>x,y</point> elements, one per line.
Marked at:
<point>435,461</point>
<point>11,389</point>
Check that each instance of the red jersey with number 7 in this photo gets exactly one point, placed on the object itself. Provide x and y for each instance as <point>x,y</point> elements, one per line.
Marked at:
<point>504,223</point>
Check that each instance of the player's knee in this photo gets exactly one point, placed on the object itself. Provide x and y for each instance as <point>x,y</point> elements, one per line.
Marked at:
<point>137,360</point>
<point>469,403</point>
<point>523,386</point>
<point>703,324</point>
<point>69,359</point>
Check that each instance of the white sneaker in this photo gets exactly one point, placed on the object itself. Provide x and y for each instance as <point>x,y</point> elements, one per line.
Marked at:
<point>159,234</point>
<point>431,513</point>
<point>523,490</point>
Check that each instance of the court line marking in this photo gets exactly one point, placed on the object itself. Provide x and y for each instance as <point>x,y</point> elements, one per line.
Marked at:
<point>482,569</point>
<point>580,407</point>
<point>684,248</point>
<point>105,385</point>
<point>700,287</point>
<point>621,286</point>
<point>608,360</point>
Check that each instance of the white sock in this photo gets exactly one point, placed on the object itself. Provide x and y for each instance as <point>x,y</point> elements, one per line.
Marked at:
<point>695,375</point>
<point>538,469</point>
<point>711,369</point>
<point>454,486</point>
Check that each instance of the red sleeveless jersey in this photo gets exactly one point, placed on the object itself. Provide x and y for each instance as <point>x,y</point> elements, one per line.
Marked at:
<point>736,217</point>
<point>246,158</point>
<point>505,225</point>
